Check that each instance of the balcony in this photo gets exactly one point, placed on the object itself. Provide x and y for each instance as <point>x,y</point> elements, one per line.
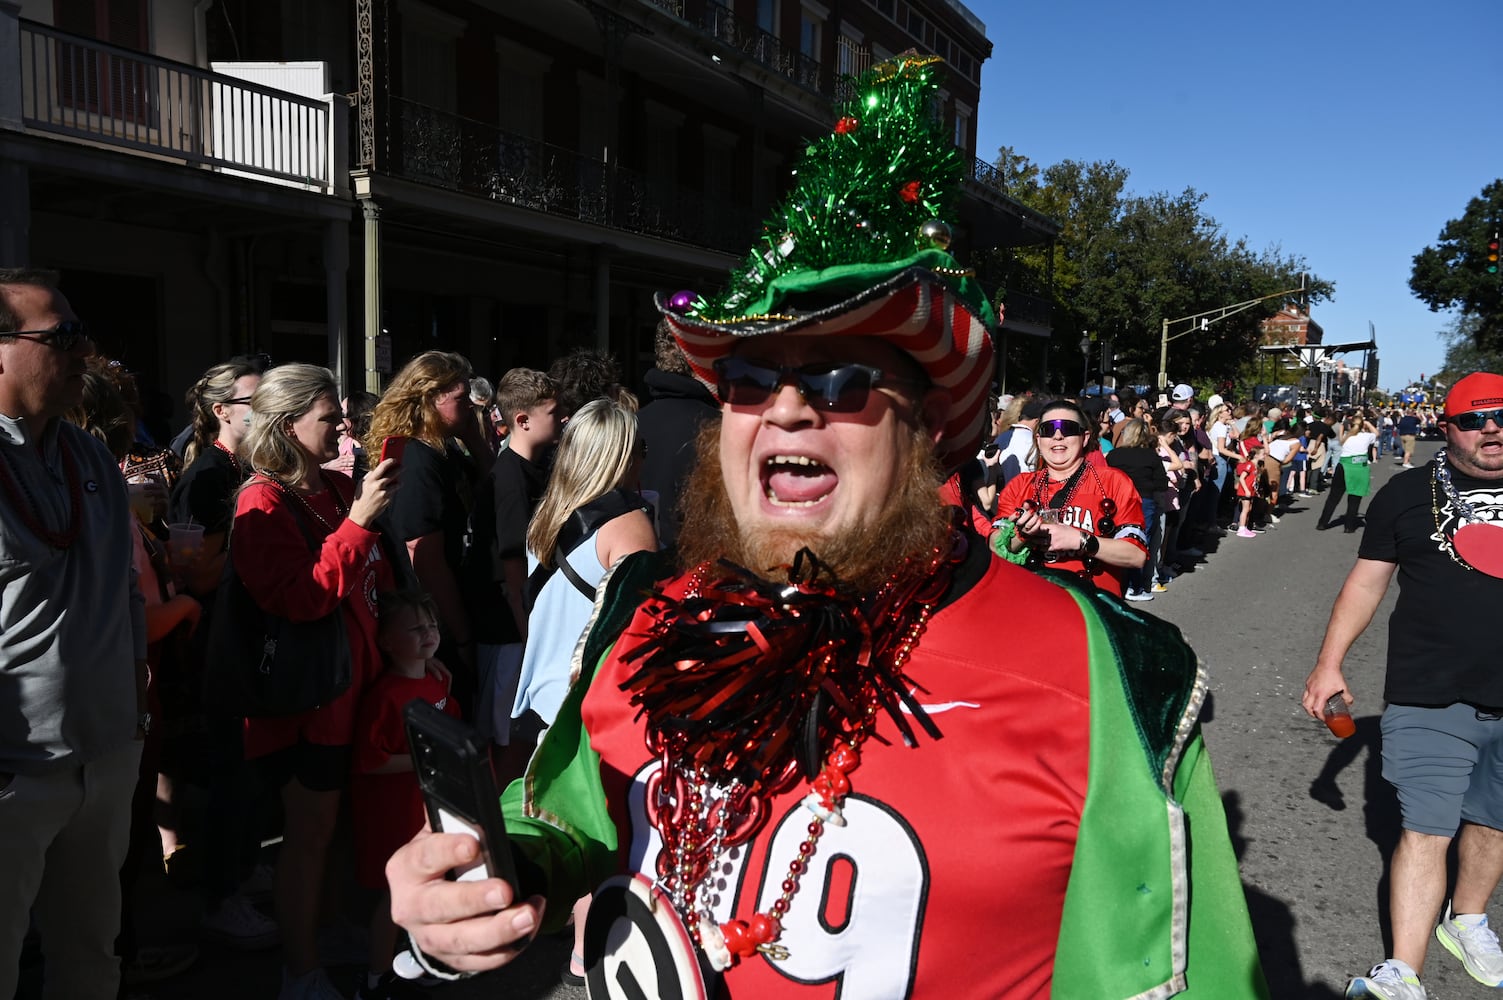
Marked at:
<point>86,91</point>
<point>459,154</point>
<point>715,21</point>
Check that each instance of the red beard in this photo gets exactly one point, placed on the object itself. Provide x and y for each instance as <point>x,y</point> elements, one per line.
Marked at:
<point>914,521</point>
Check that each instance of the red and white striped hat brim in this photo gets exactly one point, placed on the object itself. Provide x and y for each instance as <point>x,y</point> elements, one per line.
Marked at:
<point>916,311</point>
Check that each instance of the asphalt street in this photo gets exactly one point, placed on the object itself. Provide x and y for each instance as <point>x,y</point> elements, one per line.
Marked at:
<point>1311,817</point>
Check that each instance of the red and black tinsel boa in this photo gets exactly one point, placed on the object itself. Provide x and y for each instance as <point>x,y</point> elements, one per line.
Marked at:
<point>747,680</point>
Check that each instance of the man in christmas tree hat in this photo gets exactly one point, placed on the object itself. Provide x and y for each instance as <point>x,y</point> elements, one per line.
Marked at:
<point>796,758</point>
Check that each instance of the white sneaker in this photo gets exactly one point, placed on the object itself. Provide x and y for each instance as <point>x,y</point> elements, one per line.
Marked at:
<point>1408,466</point>
<point>1390,980</point>
<point>1474,944</point>
<point>1138,595</point>
<point>238,924</point>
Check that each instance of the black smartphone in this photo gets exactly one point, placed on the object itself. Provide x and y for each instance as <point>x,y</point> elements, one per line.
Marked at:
<point>453,768</point>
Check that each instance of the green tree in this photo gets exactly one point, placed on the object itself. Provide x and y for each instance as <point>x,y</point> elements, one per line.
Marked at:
<point>1464,354</point>
<point>1453,273</point>
<point>1125,262</point>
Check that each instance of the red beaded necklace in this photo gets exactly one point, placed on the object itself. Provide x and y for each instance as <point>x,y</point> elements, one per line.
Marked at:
<point>712,790</point>
<point>25,505</point>
<point>234,462</point>
<point>340,506</point>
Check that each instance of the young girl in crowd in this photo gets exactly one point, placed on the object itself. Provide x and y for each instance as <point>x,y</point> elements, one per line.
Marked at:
<point>1247,484</point>
<point>387,804</point>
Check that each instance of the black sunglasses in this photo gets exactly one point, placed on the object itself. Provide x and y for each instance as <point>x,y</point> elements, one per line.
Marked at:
<point>1069,428</point>
<point>1477,419</point>
<point>238,399</point>
<point>827,386</point>
<point>64,337</point>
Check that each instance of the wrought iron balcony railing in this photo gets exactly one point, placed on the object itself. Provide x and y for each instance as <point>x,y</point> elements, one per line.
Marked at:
<point>717,21</point>
<point>460,154</point>
<point>86,89</point>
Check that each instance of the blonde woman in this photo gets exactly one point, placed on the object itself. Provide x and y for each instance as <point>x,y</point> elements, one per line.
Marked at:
<point>429,403</point>
<point>288,501</point>
<point>590,516</point>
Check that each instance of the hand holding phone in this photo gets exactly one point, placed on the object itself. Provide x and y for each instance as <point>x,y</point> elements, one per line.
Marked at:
<point>393,448</point>
<point>454,771</point>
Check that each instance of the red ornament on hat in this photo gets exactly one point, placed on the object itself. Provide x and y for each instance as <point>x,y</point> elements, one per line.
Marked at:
<point>846,125</point>
<point>909,192</point>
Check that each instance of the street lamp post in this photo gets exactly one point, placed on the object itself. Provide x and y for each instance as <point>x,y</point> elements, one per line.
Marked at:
<point>1085,359</point>
<point>1201,320</point>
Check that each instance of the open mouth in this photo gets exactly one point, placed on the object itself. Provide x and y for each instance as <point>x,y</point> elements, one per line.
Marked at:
<point>797,481</point>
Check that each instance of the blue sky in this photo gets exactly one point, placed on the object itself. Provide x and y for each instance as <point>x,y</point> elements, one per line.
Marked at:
<point>1345,132</point>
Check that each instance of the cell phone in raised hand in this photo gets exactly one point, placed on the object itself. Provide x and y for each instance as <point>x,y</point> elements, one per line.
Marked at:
<point>393,447</point>
<point>453,769</point>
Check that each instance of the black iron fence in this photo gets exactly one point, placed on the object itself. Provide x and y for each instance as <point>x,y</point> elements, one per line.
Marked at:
<point>460,154</point>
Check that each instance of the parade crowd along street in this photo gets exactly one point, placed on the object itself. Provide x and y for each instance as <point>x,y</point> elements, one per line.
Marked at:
<point>729,656</point>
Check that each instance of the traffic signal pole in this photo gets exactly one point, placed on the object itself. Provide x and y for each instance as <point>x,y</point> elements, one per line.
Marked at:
<point>1202,320</point>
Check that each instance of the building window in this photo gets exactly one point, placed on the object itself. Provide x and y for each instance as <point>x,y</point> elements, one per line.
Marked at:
<point>808,34</point>
<point>109,85</point>
<point>429,38</point>
<point>767,16</point>
<point>962,127</point>
<point>852,58</point>
<point>885,7</point>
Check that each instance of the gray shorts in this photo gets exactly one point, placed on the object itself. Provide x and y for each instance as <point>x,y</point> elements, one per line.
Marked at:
<point>1446,764</point>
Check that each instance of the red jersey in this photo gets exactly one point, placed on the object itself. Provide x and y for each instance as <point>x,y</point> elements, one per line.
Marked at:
<point>1084,511</point>
<point>969,835</point>
<point>1247,478</point>
<point>388,808</point>
<point>269,546</point>
<point>951,495</point>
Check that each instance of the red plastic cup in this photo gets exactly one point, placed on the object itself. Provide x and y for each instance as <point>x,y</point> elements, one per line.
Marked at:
<point>1339,717</point>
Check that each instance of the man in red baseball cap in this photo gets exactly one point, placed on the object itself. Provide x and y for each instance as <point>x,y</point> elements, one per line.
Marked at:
<point>1441,526</point>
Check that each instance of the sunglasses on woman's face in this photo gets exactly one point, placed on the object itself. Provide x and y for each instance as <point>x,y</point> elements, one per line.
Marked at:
<point>825,385</point>
<point>1069,428</point>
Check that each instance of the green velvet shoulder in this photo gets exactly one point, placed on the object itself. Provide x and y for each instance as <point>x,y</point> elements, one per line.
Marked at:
<point>1160,671</point>
<point>626,587</point>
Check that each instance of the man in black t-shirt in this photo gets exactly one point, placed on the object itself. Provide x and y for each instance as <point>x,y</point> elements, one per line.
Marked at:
<point>1441,528</point>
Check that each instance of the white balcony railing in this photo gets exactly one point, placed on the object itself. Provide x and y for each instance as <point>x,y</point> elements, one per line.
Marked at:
<point>102,94</point>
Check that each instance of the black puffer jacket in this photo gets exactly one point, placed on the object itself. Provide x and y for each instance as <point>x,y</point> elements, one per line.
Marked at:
<point>670,423</point>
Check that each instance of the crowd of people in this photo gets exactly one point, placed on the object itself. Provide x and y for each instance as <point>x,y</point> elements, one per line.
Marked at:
<point>494,521</point>
<point>1166,477</point>
<point>463,565</point>
<point>732,652</point>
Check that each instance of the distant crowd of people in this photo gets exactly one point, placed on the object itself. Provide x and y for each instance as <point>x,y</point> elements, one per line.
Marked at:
<point>1166,477</point>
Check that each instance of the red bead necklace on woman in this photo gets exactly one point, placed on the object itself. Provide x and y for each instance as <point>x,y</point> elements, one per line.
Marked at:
<point>340,506</point>
<point>230,454</point>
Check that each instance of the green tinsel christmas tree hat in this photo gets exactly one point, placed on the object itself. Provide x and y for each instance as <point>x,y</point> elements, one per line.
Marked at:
<point>859,248</point>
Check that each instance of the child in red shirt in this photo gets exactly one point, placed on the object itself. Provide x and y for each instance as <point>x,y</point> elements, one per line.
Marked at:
<point>1246,476</point>
<point>387,803</point>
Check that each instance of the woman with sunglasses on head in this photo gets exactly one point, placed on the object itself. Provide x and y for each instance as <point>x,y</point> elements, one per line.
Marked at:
<point>220,406</point>
<point>1072,514</point>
